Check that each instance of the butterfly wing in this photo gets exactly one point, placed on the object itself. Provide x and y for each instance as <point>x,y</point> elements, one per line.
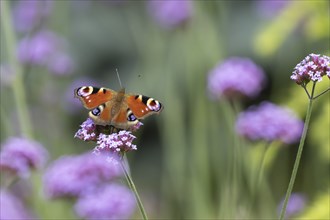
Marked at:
<point>143,106</point>
<point>92,97</point>
<point>116,108</point>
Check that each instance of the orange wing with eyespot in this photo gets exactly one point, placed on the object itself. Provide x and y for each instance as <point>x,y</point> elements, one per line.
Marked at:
<point>143,106</point>
<point>91,97</point>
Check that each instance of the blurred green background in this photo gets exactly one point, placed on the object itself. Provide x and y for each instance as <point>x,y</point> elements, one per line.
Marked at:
<point>183,165</point>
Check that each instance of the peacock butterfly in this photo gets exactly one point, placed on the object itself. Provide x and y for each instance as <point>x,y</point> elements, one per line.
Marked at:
<point>117,109</point>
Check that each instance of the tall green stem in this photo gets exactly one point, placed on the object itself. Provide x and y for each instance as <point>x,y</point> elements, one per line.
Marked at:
<point>299,153</point>
<point>17,85</point>
<point>133,188</point>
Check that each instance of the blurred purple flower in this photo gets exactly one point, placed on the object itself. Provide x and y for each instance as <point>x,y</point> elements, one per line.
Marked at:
<point>112,201</point>
<point>72,104</point>
<point>72,176</point>
<point>19,155</point>
<point>116,142</point>
<point>235,77</point>
<point>61,64</point>
<point>171,13</point>
<point>12,208</point>
<point>312,68</point>
<point>45,48</point>
<point>296,204</point>
<point>270,8</point>
<point>269,122</point>
<point>38,48</point>
<point>27,14</point>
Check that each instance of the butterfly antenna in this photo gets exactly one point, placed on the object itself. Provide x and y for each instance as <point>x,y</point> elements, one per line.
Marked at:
<point>121,86</point>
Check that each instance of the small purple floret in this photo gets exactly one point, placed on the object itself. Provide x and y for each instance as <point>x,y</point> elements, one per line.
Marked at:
<point>87,131</point>
<point>296,204</point>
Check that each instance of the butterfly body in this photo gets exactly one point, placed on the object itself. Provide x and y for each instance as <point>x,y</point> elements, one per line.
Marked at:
<point>118,109</point>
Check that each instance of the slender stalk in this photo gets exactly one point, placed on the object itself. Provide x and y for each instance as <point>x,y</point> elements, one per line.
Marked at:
<point>17,85</point>
<point>299,153</point>
<point>321,93</point>
<point>259,175</point>
<point>133,188</point>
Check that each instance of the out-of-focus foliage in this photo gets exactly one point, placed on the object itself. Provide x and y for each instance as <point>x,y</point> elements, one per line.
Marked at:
<point>189,162</point>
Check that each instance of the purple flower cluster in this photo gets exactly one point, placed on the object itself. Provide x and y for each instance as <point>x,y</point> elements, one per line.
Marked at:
<point>270,8</point>
<point>72,176</point>
<point>45,48</point>
<point>296,204</point>
<point>12,208</point>
<point>112,201</point>
<point>312,68</point>
<point>86,178</point>
<point>236,77</point>
<point>87,131</point>
<point>28,14</point>
<point>269,122</point>
<point>170,14</point>
<point>115,142</point>
<point>19,155</point>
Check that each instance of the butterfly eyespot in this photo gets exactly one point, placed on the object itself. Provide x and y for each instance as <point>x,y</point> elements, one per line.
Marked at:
<point>85,91</point>
<point>130,116</point>
<point>154,105</point>
<point>96,111</point>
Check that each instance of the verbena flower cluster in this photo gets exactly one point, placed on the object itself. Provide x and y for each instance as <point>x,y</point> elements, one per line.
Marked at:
<point>269,122</point>
<point>12,207</point>
<point>45,48</point>
<point>170,14</point>
<point>87,131</point>
<point>236,77</point>
<point>111,201</point>
<point>296,204</point>
<point>20,155</point>
<point>79,174</point>
<point>29,14</point>
<point>312,68</point>
<point>89,179</point>
<point>115,142</point>
<point>40,46</point>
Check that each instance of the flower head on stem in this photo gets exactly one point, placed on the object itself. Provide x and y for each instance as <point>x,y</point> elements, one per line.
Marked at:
<point>109,143</point>
<point>312,68</point>
<point>20,155</point>
<point>269,122</point>
<point>236,77</point>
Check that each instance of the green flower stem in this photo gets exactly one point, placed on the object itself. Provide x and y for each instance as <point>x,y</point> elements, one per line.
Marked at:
<point>259,176</point>
<point>133,188</point>
<point>299,153</point>
<point>321,93</point>
<point>17,85</point>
